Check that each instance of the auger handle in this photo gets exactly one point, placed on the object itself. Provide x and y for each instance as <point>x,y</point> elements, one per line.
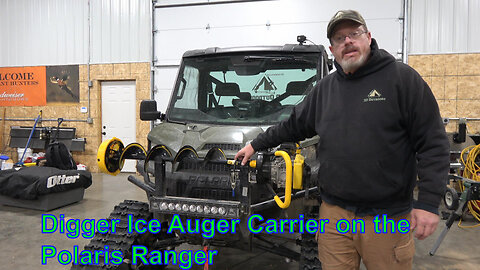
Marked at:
<point>288,180</point>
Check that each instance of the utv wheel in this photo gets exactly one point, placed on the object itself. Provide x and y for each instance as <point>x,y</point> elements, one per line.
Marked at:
<point>122,240</point>
<point>451,199</point>
<point>309,253</point>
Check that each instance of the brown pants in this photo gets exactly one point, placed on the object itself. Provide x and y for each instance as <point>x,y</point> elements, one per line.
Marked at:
<point>378,251</point>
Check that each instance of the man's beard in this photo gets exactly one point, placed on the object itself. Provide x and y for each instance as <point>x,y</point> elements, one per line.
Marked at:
<point>352,64</point>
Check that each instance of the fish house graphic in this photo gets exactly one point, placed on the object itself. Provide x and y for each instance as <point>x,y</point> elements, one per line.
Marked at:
<point>374,93</point>
<point>265,84</point>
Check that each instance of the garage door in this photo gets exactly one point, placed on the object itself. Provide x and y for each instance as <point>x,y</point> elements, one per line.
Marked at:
<point>186,25</point>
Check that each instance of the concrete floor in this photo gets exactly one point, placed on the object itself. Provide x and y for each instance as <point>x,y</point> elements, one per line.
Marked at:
<point>21,238</point>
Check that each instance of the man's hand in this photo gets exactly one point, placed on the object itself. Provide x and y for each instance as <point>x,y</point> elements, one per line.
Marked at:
<point>424,223</point>
<point>245,153</point>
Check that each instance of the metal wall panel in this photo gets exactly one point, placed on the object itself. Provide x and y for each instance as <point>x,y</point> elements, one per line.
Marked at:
<point>444,26</point>
<point>121,31</point>
<point>37,32</point>
<point>432,22</point>
<point>473,34</point>
<point>445,41</point>
<point>55,32</point>
<point>461,22</point>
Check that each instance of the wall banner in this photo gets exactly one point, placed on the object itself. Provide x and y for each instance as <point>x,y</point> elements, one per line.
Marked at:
<point>22,86</point>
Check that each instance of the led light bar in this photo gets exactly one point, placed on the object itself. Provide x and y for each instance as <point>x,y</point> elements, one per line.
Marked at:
<point>195,207</point>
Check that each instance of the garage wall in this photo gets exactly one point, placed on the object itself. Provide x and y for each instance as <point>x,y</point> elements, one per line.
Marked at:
<point>55,32</point>
<point>121,31</point>
<point>38,32</point>
<point>455,82</point>
<point>140,72</point>
<point>444,26</point>
<point>445,50</point>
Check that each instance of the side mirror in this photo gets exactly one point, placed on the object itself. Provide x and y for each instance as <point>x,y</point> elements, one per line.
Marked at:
<point>148,111</point>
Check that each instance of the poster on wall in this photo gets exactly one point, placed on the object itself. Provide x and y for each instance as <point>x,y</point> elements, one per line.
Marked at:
<point>62,84</point>
<point>22,86</point>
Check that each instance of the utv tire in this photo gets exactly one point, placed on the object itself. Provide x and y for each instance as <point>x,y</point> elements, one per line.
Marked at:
<point>309,253</point>
<point>122,240</point>
<point>309,246</point>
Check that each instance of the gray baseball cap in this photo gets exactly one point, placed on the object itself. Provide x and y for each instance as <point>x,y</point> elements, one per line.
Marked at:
<point>343,15</point>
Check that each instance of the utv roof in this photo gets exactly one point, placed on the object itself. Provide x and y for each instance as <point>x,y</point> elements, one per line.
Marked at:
<point>234,50</point>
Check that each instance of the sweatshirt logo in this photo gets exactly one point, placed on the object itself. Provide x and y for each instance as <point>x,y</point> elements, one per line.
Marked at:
<point>374,95</point>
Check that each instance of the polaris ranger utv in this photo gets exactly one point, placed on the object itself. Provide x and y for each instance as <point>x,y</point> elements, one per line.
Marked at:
<point>223,98</point>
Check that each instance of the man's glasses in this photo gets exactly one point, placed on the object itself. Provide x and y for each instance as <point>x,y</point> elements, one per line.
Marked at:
<point>353,35</point>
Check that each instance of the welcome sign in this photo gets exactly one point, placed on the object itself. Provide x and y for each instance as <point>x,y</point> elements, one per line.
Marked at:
<point>23,86</point>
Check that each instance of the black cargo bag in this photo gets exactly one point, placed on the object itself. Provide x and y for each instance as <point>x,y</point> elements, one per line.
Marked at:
<point>59,157</point>
<point>29,183</point>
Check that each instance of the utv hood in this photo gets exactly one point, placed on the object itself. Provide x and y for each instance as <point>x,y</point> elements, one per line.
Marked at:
<point>203,137</point>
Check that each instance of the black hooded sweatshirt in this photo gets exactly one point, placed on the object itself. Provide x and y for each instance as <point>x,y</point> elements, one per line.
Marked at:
<point>379,127</point>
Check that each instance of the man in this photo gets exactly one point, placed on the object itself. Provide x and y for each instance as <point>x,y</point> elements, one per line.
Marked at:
<point>379,126</point>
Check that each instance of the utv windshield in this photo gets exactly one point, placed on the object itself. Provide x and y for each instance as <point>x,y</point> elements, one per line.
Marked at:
<point>240,89</point>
